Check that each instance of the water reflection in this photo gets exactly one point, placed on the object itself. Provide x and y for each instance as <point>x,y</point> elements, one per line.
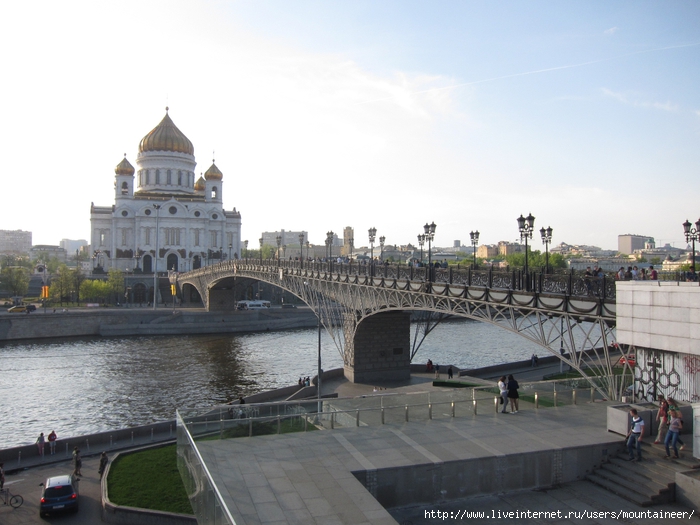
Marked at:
<point>80,386</point>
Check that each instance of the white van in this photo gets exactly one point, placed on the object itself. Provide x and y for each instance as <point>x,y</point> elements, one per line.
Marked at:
<point>252,305</point>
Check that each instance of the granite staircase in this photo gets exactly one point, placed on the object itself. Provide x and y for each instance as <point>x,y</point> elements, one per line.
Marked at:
<point>651,481</point>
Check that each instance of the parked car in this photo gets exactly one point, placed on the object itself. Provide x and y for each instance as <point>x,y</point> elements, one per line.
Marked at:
<point>59,494</point>
<point>31,308</point>
<point>17,309</point>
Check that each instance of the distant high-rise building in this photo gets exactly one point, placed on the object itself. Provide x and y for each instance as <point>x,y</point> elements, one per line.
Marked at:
<point>72,246</point>
<point>15,241</point>
<point>628,243</point>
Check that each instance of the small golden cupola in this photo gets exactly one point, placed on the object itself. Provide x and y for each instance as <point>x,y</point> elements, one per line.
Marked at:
<point>213,173</point>
<point>200,185</point>
<point>166,137</point>
<point>124,167</point>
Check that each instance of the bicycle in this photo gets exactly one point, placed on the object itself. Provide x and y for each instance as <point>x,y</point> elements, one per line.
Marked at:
<point>13,500</point>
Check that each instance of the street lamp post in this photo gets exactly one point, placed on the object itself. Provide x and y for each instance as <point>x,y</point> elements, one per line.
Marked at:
<point>301,250</point>
<point>229,251</point>
<point>421,242</point>
<point>155,260</point>
<point>372,234</point>
<point>475,242</point>
<point>546,239</point>
<point>429,230</point>
<point>351,240</point>
<point>692,234</point>
<point>329,242</point>
<point>261,245</point>
<point>245,247</point>
<point>381,247</point>
<point>526,226</point>
<point>279,242</point>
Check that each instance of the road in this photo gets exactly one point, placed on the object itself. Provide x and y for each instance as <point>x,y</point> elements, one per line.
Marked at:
<point>26,484</point>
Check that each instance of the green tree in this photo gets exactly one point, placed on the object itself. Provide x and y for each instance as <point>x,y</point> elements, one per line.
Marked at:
<point>115,280</point>
<point>62,284</point>
<point>15,280</point>
<point>94,290</point>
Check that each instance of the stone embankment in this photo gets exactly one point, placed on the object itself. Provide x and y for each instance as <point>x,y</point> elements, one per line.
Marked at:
<point>121,322</point>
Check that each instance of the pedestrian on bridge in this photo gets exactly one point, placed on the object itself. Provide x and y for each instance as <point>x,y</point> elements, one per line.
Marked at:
<point>503,388</point>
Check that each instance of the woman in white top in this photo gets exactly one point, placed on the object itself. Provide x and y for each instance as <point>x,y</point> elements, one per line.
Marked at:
<point>503,387</point>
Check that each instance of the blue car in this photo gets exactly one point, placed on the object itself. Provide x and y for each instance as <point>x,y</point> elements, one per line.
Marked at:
<point>59,494</point>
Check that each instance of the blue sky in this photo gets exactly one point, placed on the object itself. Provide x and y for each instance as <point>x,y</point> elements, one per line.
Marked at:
<point>323,115</point>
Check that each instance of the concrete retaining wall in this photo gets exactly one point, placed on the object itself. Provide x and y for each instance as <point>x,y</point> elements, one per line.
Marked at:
<point>434,483</point>
<point>119,322</point>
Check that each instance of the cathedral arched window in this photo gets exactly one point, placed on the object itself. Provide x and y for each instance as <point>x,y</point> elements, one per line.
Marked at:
<point>125,188</point>
<point>157,176</point>
<point>179,178</point>
<point>214,192</point>
<point>169,179</point>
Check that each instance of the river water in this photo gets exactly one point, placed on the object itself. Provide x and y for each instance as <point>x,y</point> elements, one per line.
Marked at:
<point>82,386</point>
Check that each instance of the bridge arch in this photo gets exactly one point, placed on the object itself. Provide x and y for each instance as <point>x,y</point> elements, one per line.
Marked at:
<point>351,302</point>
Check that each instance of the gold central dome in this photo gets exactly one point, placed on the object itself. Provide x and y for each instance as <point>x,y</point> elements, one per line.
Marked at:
<point>166,137</point>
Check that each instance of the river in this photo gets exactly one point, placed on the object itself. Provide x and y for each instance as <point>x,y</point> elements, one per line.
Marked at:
<point>82,386</point>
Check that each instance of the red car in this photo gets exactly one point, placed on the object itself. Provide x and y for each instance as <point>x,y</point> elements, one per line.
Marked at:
<point>628,360</point>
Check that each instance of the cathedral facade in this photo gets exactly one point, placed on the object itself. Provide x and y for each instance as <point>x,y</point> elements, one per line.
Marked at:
<point>163,217</point>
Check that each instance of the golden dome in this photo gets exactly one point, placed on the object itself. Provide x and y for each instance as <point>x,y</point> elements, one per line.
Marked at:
<point>166,137</point>
<point>213,173</point>
<point>124,167</point>
<point>200,185</point>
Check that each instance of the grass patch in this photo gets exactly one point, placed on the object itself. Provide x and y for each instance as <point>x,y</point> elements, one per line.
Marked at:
<point>149,479</point>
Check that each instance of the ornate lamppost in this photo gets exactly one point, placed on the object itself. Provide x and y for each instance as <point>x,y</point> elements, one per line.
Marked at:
<point>546,239</point>
<point>381,247</point>
<point>421,242</point>
<point>351,240</point>
<point>692,234</point>
<point>474,236</point>
<point>261,245</point>
<point>229,250</point>
<point>526,226</point>
<point>245,247</point>
<point>279,243</point>
<point>372,234</point>
<point>301,250</point>
<point>429,230</point>
<point>155,260</point>
<point>329,242</point>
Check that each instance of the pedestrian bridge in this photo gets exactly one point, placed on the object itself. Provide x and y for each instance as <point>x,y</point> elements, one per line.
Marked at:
<point>368,309</point>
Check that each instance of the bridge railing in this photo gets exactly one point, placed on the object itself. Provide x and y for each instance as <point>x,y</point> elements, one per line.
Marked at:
<point>567,282</point>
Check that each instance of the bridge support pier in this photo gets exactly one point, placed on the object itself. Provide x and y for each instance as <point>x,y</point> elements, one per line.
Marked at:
<point>381,349</point>
<point>224,299</point>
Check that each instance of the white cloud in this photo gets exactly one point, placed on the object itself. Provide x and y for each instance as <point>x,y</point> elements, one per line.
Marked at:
<point>610,31</point>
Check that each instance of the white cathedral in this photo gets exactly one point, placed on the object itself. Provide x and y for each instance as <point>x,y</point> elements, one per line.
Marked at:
<point>170,213</point>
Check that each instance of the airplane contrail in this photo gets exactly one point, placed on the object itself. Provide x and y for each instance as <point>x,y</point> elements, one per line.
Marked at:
<point>545,70</point>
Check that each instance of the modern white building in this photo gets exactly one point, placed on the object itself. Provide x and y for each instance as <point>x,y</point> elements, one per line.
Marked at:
<point>659,320</point>
<point>163,212</point>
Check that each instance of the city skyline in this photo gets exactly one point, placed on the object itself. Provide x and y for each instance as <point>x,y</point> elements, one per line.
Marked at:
<point>389,115</point>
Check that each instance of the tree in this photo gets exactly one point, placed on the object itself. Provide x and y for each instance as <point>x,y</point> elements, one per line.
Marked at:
<point>115,281</point>
<point>62,284</point>
<point>15,280</point>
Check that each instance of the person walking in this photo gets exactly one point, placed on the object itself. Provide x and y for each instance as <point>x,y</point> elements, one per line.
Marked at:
<point>674,430</point>
<point>52,442</point>
<point>40,442</point>
<point>103,464</point>
<point>449,372</point>
<point>77,462</point>
<point>634,436</point>
<point>503,387</point>
<point>661,419</point>
<point>437,371</point>
<point>513,395</point>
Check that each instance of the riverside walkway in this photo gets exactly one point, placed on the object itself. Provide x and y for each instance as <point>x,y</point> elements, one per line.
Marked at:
<point>352,475</point>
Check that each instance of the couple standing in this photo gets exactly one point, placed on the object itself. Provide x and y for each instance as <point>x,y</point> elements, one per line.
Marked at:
<point>509,392</point>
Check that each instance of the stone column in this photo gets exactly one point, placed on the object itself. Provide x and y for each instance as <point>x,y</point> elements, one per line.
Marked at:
<point>382,349</point>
